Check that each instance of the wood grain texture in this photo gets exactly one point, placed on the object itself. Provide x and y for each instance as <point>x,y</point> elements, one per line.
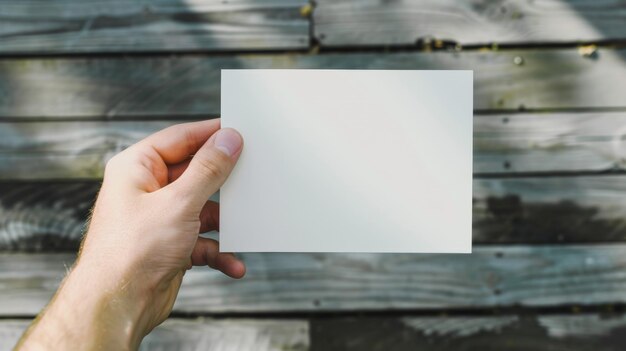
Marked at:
<point>503,143</point>
<point>552,142</point>
<point>75,26</point>
<point>380,22</point>
<point>44,217</point>
<point>182,86</point>
<point>50,216</point>
<point>585,332</point>
<point>203,334</point>
<point>576,332</point>
<point>62,150</point>
<point>549,210</point>
<point>492,276</point>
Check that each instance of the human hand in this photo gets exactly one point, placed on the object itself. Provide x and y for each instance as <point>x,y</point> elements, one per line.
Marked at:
<point>142,237</point>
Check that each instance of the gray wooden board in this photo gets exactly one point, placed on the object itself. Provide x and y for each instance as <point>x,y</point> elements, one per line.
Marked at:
<point>50,216</point>
<point>552,142</point>
<point>576,332</point>
<point>503,143</point>
<point>203,334</point>
<point>190,85</point>
<point>492,276</point>
<point>61,150</point>
<point>77,26</point>
<point>584,332</point>
<point>380,22</point>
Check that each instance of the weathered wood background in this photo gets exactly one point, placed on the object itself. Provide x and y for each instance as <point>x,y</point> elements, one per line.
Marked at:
<point>82,80</point>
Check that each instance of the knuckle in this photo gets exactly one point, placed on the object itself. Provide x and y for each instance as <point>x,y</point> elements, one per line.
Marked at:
<point>112,163</point>
<point>212,168</point>
<point>119,163</point>
<point>119,160</point>
<point>184,130</point>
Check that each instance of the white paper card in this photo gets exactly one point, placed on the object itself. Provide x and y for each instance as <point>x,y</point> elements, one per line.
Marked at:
<point>348,161</point>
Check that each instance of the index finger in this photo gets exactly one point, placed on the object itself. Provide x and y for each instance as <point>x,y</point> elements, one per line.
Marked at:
<point>176,143</point>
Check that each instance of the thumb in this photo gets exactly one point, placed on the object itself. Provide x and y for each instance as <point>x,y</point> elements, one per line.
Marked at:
<point>209,167</point>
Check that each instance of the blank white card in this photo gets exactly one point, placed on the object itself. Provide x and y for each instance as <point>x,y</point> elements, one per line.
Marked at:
<point>348,161</point>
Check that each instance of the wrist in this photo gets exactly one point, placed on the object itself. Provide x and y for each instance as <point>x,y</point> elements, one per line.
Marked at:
<point>114,306</point>
<point>93,307</point>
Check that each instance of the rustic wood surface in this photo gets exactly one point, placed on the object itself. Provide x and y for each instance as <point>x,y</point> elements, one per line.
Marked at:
<point>550,209</point>
<point>492,276</point>
<point>549,130</point>
<point>44,216</point>
<point>203,334</point>
<point>166,87</point>
<point>550,142</point>
<point>503,143</point>
<point>578,332</point>
<point>63,150</point>
<point>379,22</point>
<point>50,216</point>
<point>586,332</point>
<point>89,26</point>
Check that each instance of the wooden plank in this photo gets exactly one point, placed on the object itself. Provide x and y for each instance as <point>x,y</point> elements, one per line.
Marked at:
<point>582,332</point>
<point>203,334</point>
<point>492,276</point>
<point>549,210</point>
<point>74,26</point>
<point>503,143</point>
<point>62,150</point>
<point>552,142</point>
<point>586,332</point>
<point>44,217</point>
<point>50,216</point>
<point>379,22</point>
<point>182,86</point>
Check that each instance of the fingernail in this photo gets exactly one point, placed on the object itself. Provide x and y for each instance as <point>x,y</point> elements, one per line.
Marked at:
<point>228,141</point>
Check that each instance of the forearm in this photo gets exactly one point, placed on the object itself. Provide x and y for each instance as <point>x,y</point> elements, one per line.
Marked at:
<point>142,237</point>
<point>88,313</point>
